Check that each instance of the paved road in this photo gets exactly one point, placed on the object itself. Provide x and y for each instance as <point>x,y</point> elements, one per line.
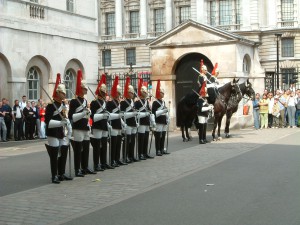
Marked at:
<point>172,189</point>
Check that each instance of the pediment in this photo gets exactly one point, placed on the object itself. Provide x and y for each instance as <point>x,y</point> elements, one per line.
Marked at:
<point>193,33</point>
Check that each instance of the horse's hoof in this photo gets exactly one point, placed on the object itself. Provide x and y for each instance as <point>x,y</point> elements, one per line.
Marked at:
<point>227,135</point>
<point>189,139</point>
<point>219,138</point>
<point>185,140</point>
<point>214,139</point>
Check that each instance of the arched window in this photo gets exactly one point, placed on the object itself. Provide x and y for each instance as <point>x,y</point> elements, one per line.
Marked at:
<point>70,84</point>
<point>33,84</point>
<point>246,65</point>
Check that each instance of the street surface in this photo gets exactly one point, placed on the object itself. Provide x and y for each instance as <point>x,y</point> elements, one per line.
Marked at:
<point>251,178</point>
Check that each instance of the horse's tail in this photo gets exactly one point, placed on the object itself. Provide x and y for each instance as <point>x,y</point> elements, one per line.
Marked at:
<point>179,118</point>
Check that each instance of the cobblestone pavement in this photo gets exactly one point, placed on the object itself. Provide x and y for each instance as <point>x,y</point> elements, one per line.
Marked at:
<point>56,204</point>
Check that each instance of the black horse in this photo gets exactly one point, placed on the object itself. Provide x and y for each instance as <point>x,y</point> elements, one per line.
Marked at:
<point>229,90</point>
<point>186,114</point>
<point>232,107</point>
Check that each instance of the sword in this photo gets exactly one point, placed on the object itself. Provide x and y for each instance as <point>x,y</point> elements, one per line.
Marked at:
<point>202,75</point>
<point>168,129</point>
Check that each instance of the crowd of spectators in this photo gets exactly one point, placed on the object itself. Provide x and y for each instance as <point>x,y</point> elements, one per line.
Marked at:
<point>26,118</point>
<point>277,111</point>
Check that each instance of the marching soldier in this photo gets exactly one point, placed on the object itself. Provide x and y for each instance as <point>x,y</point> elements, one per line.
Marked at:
<point>79,113</point>
<point>100,128</point>
<point>203,112</point>
<point>115,123</point>
<point>142,105</point>
<point>127,106</point>
<point>160,110</point>
<point>58,144</point>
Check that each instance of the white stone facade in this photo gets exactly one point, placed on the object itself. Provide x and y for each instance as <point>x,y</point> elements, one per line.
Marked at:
<point>43,36</point>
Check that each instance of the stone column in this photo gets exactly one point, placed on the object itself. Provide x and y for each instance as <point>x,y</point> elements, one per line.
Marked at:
<point>143,18</point>
<point>168,15</point>
<point>118,18</point>
<point>245,15</point>
<point>271,13</point>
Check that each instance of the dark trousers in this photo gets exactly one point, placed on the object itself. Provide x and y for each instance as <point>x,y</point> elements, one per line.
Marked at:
<point>18,128</point>
<point>8,127</point>
<point>270,120</point>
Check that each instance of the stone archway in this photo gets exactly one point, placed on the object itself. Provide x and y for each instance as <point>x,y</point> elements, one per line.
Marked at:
<point>5,76</point>
<point>186,77</point>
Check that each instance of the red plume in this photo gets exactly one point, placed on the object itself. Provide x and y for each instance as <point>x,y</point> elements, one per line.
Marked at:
<point>201,64</point>
<point>78,83</point>
<point>214,70</point>
<point>202,90</point>
<point>58,81</point>
<point>140,84</point>
<point>157,93</point>
<point>127,83</point>
<point>102,81</point>
<point>114,91</point>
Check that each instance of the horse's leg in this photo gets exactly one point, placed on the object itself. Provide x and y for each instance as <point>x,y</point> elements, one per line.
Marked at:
<point>219,127</point>
<point>214,129</point>
<point>228,117</point>
<point>187,133</point>
<point>182,133</point>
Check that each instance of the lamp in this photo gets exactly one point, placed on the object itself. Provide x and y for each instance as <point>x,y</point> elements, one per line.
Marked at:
<point>278,37</point>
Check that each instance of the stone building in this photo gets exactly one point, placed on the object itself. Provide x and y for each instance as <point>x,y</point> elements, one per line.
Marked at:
<point>40,38</point>
<point>169,37</point>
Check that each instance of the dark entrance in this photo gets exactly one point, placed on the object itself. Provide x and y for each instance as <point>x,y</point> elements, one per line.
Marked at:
<point>186,77</point>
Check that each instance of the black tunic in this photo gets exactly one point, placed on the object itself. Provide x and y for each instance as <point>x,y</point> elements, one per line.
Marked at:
<point>159,106</point>
<point>113,107</point>
<point>96,109</point>
<point>57,132</point>
<point>201,103</point>
<point>81,124</point>
<point>143,106</point>
<point>126,108</point>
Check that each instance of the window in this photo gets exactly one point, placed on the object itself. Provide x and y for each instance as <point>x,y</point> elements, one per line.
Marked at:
<point>70,84</point>
<point>246,64</point>
<point>287,75</point>
<point>225,13</point>
<point>110,24</point>
<point>134,22</point>
<point>36,1</point>
<point>70,5</point>
<point>185,13</point>
<point>33,84</point>
<point>287,10</point>
<point>213,12</point>
<point>159,21</point>
<point>106,57</point>
<point>287,47</point>
<point>130,56</point>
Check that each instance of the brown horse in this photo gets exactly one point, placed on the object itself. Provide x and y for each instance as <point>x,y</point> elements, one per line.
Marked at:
<point>220,102</point>
<point>232,107</point>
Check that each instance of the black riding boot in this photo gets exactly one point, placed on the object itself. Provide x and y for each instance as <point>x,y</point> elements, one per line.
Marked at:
<point>128,150</point>
<point>96,153</point>
<point>113,147</point>
<point>62,160</point>
<point>53,152</point>
<point>103,154</point>
<point>157,143</point>
<point>85,158</point>
<point>140,146</point>
<point>204,133</point>
<point>201,128</point>
<point>162,143</point>
<point>77,146</point>
<point>132,146</point>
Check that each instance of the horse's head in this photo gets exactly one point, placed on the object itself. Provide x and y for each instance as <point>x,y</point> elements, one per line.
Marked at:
<point>249,90</point>
<point>235,88</point>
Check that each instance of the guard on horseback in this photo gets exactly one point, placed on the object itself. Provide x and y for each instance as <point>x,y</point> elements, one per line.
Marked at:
<point>160,111</point>
<point>204,109</point>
